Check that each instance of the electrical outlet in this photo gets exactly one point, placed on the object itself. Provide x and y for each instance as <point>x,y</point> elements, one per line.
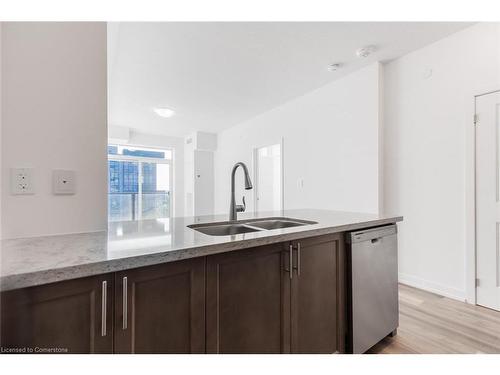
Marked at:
<point>21,181</point>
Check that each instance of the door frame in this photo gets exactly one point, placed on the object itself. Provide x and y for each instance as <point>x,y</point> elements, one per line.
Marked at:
<point>470,198</point>
<point>281,142</point>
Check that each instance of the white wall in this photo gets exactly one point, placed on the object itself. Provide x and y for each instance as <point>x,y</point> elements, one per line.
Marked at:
<point>203,182</point>
<point>428,151</point>
<point>177,145</point>
<point>199,150</point>
<point>54,116</point>
<point>1,115</point>
<point>189,149</point>
<point>330,142</point>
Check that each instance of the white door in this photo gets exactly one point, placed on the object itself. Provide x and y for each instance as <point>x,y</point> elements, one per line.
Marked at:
<point>487,200</point>
<point>268,178</point>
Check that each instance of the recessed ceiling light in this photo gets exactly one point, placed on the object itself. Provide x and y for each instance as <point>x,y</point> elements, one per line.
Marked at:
<point>334,67</point>
<point>366,51</point>
<point>164,112</point>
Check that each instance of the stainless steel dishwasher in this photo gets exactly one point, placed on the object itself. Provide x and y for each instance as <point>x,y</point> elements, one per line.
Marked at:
<point>372,293</point>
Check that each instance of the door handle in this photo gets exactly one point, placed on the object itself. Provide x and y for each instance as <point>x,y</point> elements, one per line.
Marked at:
<point>104,303</point>
<point>124,306</point>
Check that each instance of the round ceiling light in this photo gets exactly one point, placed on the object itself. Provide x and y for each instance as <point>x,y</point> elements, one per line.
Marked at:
<point>164,112</point>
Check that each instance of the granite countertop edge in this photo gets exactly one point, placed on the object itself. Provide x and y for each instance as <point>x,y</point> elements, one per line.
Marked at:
<point>41,277</point>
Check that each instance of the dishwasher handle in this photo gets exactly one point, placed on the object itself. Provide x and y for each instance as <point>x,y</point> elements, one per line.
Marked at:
<point>374,234</point>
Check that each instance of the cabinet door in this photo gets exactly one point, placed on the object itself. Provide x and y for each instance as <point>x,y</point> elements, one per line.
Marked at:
<point>72,316</point>
<point>161,308</point>
<point>318,304</point>
<point>248,301</point>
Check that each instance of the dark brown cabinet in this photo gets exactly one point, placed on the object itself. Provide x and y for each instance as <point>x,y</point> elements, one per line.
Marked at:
<point>161,309</point>
<point>278,298</point>
<point>248,301</point>
<point>318,298</point>
<point>74,316</point>
<point>156,309</point>
<point>254,304</point>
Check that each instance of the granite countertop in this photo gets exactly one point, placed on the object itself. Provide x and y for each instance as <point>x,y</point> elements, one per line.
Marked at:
<point>34,261</point>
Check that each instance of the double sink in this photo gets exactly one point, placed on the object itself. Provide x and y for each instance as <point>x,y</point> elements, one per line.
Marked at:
<point>229,228</point>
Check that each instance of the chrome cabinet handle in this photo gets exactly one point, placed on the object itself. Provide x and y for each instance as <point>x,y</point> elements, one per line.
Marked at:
<point>298,259</point>
<point>104,297</point>
<point>291,261</point>
<point>124,298</point>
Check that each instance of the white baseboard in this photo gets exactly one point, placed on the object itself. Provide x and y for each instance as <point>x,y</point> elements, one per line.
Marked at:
<point>432,287</point>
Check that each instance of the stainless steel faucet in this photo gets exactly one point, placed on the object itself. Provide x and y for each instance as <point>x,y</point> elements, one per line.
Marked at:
<point>235,208</point>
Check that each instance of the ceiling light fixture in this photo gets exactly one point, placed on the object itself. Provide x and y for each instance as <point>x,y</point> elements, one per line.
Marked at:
<point>334,67</point>
<point>164,112</point>
<point>366,51</point>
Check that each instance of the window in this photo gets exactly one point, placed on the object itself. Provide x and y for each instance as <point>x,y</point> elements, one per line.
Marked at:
<point>139,183</point>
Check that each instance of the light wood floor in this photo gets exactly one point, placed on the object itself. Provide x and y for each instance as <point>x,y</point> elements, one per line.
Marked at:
<point>429,323</point>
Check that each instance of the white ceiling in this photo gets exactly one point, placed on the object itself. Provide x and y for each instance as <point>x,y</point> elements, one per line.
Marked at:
<point>216,75</point>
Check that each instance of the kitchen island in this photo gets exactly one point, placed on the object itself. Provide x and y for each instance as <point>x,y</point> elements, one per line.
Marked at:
<point>159,286</point>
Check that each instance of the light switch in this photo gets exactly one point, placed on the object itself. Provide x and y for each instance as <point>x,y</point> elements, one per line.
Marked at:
<point>22,181</point>
<point>63,181</point>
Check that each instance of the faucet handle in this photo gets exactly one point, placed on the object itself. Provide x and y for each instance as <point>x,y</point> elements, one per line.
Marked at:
<point>241,207</point>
